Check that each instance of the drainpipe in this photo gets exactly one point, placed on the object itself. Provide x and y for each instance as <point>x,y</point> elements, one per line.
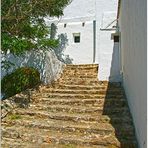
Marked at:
<point>94,41</point>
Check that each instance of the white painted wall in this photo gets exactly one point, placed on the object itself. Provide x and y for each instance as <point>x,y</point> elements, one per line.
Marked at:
<point>104,12</point>
<point>82,52</point>
<point>45,61</point>
<point>75,14</point>
<point>107,52</point>
<point>80,9</point>
<point>134,56</point>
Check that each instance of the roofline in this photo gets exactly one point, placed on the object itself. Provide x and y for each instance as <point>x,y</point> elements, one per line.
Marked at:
<point>118,11</point>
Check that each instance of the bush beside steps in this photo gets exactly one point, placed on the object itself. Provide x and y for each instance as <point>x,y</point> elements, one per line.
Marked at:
<point>21,79</point>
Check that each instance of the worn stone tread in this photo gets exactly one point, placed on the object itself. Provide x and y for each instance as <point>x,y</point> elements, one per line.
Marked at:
<point>64,137</point>
<point>82,87</point>
<point>15,143</point>
<point>83,96</point>
<point>80,102</point>
<point>88,126</point>
<point>76,111</point>
<point>67,91</point>
<point>77,117</point>
<point>82,109</point>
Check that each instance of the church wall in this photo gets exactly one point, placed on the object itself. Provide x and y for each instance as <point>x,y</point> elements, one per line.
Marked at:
<point>133,28</point>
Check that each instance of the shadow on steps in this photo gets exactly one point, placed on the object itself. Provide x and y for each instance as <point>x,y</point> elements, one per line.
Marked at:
<point>123,125</point>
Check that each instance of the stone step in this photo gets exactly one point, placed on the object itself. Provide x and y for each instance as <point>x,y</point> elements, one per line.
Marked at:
<point>74,78</point>
<point>81,69</point>
<point>76,111</point>
<point>78,82</point>
<point>82,102</point>
<point>84,76</point>
<point>82,66</point>
<point>73,116</point>
<point>78,72</point>
<point>19,143</point>
<point>102,129</point>
<point>82,109</point>
<point>82,87</point>
<point>66,91</point>
<point>77,96</point>
<point>62,137</point>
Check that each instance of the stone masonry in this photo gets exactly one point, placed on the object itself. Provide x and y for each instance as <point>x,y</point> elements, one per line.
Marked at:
<point>77,111</point>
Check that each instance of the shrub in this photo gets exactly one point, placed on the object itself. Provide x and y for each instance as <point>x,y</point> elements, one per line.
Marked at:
<point>19,80</point>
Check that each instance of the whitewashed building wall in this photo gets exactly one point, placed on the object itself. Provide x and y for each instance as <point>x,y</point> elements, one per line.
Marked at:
<point>45,62</point>
<point>133,26</point>
<point>95,45</point>
<point>107,50</point>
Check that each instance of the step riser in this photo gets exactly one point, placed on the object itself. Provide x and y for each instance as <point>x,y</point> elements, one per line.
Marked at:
<point>98,111</point>
<point>113,120</point>
<point>82,65</point>
<point>79,77</point>
<point>126,132</point>
<point>73,79</point>
<point>89,103</point>
<point>101,92</point>
<point>77,96</point>
<point>31,138</point>
<point>95,113</point>
<point>80,71</point>
<point>81,68</point>
<point>83,87</point>
<point>88,86</point>
<point>77,109</point>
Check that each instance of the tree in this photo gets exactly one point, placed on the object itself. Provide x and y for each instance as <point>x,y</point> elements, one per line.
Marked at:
<point>23,25</point>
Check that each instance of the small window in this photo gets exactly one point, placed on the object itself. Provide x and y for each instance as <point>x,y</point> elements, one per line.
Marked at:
<point>65,25</point>
<point>76,37</point>
<point>116,38</point>
<point>83,24</point>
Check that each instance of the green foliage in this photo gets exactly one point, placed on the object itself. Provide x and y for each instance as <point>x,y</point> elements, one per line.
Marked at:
<point>23,25</point>
<point>19,80</point>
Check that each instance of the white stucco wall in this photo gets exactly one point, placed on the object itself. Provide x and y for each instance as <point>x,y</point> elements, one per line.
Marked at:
<point>78,12</point>
<point>133,28</point>
<point>104,12</point>
<point>107,52</point>
<point>45,61</point>
<point>82,52</point>
<point>80,8</point>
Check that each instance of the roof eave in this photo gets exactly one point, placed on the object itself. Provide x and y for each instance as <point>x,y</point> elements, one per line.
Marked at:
<point>118,11</point>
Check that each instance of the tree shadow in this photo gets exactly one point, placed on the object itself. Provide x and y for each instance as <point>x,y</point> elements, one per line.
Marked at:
<point>63,43</point>
<point>59,51</point>
<point>48,62</point>
<point>45,61</point>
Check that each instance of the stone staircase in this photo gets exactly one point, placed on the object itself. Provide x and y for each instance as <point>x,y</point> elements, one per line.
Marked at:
<point>77,111</point>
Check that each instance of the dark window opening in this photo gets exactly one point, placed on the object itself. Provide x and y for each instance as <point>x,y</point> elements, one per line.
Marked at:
<point>65,25</point>
<point>116,38</point>
<point>76,37</point>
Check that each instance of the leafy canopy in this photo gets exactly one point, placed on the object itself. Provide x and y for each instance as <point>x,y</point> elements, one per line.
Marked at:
<point>23,25</point>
